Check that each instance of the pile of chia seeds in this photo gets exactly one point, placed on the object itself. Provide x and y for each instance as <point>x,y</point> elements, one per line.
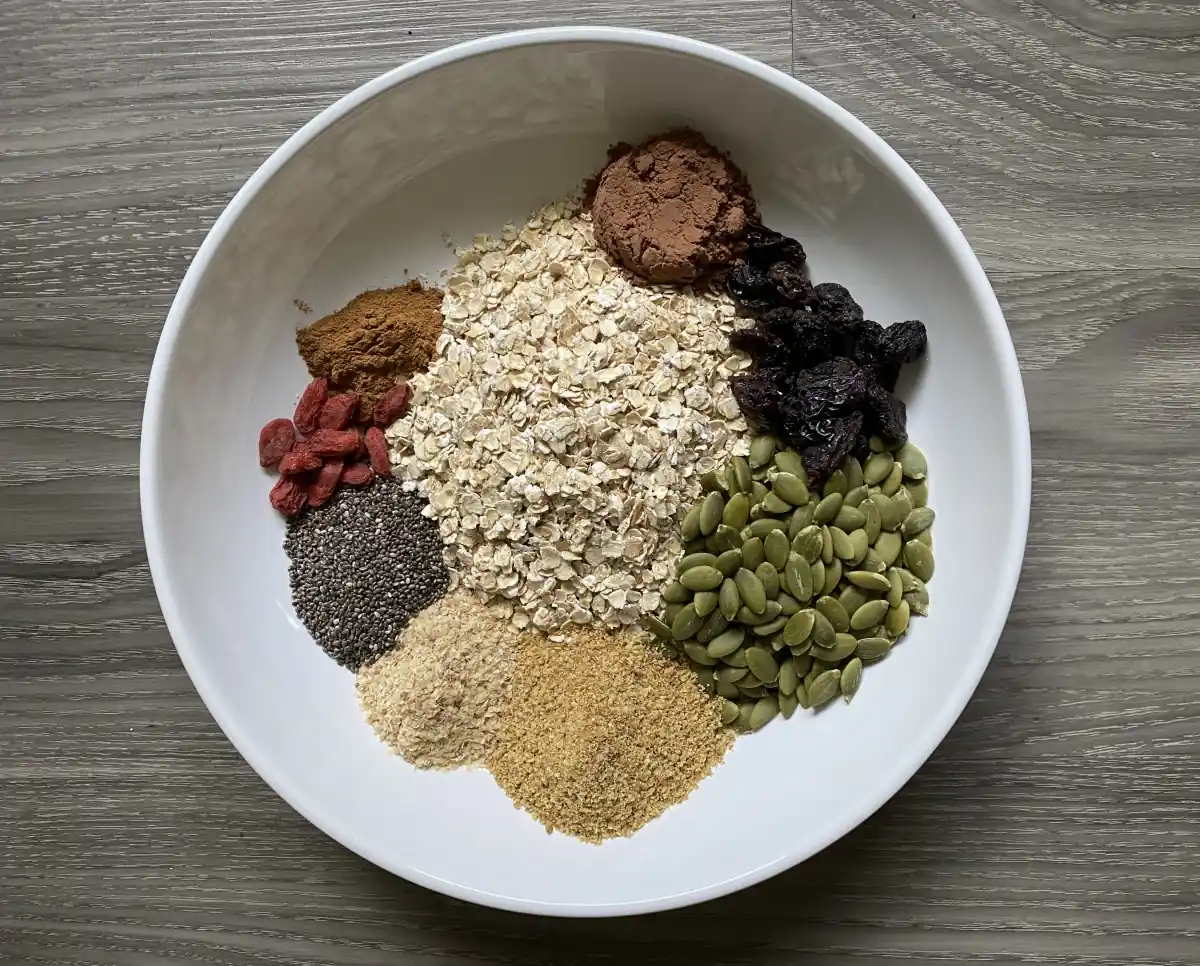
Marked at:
<point>361,567</point>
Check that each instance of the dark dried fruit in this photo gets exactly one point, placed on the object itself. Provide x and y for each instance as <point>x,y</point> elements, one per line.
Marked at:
<point>274,440</point>
<point>357,474</point>
<point>300,460</point>
<point>393,405</point>
<point>321,489</point>
<point>333,442</point>
<point>377,448</point>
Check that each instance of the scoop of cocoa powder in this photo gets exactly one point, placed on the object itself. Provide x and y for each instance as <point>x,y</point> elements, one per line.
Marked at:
<point>673,208</point>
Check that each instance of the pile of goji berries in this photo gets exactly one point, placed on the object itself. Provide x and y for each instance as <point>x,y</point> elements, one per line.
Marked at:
<point>327,442</point>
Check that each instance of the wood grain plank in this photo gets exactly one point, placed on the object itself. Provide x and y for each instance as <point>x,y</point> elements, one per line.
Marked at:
<point>1056,825</point>
<point>1060,133</point>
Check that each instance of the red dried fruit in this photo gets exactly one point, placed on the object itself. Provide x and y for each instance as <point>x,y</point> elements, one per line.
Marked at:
<point>357,474</point>
<point>393,405</point>
<point>300,460</point>
<point>377,448</point>
<point>338,411</point>
<point>308,409</point>
<point>321,489</point>
<point>288,497</point>
<point>274,440</point>
<point>332,442</point>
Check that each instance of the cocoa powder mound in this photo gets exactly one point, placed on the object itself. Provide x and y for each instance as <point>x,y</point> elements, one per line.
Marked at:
<point>380,337</point>
<point>672,209</point>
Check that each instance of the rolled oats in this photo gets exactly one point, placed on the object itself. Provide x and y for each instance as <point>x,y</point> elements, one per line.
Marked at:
<point>565,423</point>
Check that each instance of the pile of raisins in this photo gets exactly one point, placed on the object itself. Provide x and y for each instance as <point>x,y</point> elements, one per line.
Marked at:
<point>823,377</point>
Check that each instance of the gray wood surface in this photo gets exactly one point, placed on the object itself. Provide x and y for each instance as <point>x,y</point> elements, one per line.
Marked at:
<point>1060,821</point>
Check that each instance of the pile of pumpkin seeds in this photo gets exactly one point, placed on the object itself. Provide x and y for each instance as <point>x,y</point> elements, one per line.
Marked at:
<point>783,594</point>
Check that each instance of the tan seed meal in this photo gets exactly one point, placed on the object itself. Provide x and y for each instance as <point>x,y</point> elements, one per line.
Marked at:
<point>565,423</point>
<point>436,699</point>
<point>605,734</point>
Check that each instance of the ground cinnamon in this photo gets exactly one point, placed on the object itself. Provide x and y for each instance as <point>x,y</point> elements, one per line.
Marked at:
<point>380,337</point>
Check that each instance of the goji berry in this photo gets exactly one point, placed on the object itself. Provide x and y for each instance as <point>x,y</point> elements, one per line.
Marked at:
<point>377,448</point>
<point>274,440</point>
<point>308,409</point>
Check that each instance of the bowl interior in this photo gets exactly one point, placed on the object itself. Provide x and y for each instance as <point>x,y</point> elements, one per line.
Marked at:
<point>368,198</point>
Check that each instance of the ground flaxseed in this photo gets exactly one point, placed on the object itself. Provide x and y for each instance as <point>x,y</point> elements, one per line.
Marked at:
<point>436,699</point>
<point>605,735</point>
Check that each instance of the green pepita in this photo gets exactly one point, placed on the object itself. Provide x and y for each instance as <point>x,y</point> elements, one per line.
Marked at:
<point>692,560</point>
<point>849,518</point>
<point>753,595</point>
<point>918,491</point>
<point>896,622</point>
<point>893,481</point>
<point>788,678</point>
<point>843,549</point>
<point>729,562</point>
<point>736,660</point>
<point>889,514</point>
<point>705,602</point>
<point>773,626</point>
<point>712,481</point>
<point>741,473</point>
<point>827,555</point>
<point>742,722</point>
<point>790,488</point>
<point>798,627</point>
<point>919,559</point>
<point>696,651</point>
<point>869,614</point>
<point>871,648</point>
<point>837,483</point>
<point>843,646</point>
<point>828,508</point>
<point>869,581</point>
<point>714,624</point>
<point>904,504</point>
<point>676,593</point>
<point>833,576</point>
<point>797,575</point>
<point>729,674</point>
<point>768,576</point>
<point>888,546</point>
<point>851,678</point>
<point>818,577</point>
<point>728,599</point>
<point>690,528</point>
<point>802,696</point>
<point>762,664</point>
<point>737,511</point>
<point>895,592</point>
<point>852,598</point>
<point>835,613</point>
<point>758,491</point>
<point>876,445</point>
<point>926,537</point>
<point>658,628</point>
<point>822,631</point>
<point>760,528</point>
<point>801,518</point>
<point>912,460</point>
<point>729,712</point>
<point>877,468</point>
<point>874,522</point>
<point>853,470</point>
<point>762,448</point>
<point>753,553</point>
<point>771,503</point>
<point>777,548</point>
<point>686,623</point>
<point>788,703</point>
<point>789,461</point>
<point>788,604</point>
<point>854,497</point>
<point>858,545</point>
<point>872,562</point>
<point>764,710</point>
<point>701,578</point>
<point>750,619</point>
<point>824,686</point>
<point>808,543</point>
<point>918,521</point>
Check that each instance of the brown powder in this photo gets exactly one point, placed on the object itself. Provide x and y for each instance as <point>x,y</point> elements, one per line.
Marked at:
<point>437,698</point>
<point>602,735</point>
<point>673,208</point>
<point>382,336</point>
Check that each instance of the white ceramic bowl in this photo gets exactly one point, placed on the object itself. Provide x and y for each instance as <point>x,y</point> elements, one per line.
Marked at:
<point>362,196</point>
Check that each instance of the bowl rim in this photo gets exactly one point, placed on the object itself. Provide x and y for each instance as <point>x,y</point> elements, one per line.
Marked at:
<point>981,291</point>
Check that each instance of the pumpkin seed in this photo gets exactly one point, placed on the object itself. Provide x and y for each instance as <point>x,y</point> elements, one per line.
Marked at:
<point>690,528</point>
<point>771,503</point>
<point>870,614</point>
<point>729,674</point>
<point>872,562</point>
<point>729,712</point>
<point>760,528</point>
<point>789,461</point>
<point>917,605</point>
<point>908,580</point>
<point>676,593</point>
<point>737,511</point>
<point>737,659</point>
<point>874,522</point>
<point>912,460</point>
<point>777,641</point>
<point>843,647</point>
<point>888,546</point>
<point>855,497</point>
<point>824,686</point>
<point>701,578</point>
<point>742,722</point>
<point>859,545</point>
<point>919,559</point>
<point>800,519</point>
<point>788,603</point>
<point>776,547</point>
<point>828,508</point>
<point>714,624</point>
<point>843,549</point>
<point>890,485</point>
<point>768,576</point>
<point>869,581</point>
<point>877,468</point>
<point>926,537</point>
<point>772,626</point>
<point>802,696</point>
<point>833,576</point>
<point>696,651</point>
<point>762,448</point>
<point>686,623</point>
<point>917,521</point>
<point>712,481</point>
<point>790,488</point>
<point>851,678</point>
<point>849,518</point>
<point>837,483</point>
<point>827,555</point>
<point>766,709</point>
<point>822,630</point>
<point>835,613</point>
<point>889,513</point>
<point>705,602</point>
<point>704,675</point>
<point>729,599</point>
<point>753,595</point>
<point>797,575</point>
<point>818,577</point>
<point>710,512</point>
<point>852,598</point>
<point>788,678</point>
<point>657,627</point>
<point>876,445</point>
<point>729,562</point>
<point>808,543</point>
<point>896,622</point>
<point>904,504</point>
<point>757,492</point>
<point>692,560</point>
<point>918,491</point>
<point>753,553</point>
<point>762,664</point>
<point>788,703</point>
<point>895,592</point>
<point>798,627</point>
<point>670,611</point>
<point>870,648</point>
<point>853,470</point>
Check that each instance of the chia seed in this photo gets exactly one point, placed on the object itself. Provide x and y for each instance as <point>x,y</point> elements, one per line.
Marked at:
<point>361,567</point>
